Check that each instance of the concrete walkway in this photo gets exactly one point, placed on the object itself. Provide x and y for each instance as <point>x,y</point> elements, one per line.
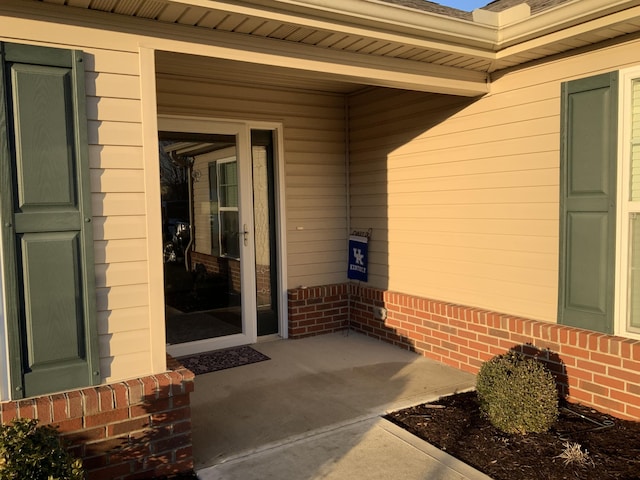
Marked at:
<point>313,412</point>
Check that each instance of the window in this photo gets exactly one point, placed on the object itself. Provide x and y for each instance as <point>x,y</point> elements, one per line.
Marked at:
<point>629,208</point>
<point>223,185</point>
<point>47,239</point>
<point>600,204</point>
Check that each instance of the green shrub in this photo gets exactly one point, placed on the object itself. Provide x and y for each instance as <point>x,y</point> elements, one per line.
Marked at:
<point>29,451</point>
<point>517,393</point>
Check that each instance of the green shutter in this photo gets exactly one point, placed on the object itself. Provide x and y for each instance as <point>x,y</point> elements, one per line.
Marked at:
<point>588,202</point>
<point>46,221</point>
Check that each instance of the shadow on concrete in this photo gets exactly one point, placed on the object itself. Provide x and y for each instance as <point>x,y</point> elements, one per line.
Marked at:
<point>314,407</point>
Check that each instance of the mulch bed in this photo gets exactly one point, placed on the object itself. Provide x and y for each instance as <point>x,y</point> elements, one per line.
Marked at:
<point>462,431</point>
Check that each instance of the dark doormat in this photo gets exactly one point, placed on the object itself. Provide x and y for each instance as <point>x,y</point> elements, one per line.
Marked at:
<point>222,359</point>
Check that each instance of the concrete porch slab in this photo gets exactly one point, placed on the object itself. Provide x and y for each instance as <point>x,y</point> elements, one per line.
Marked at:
<point>314,408</point>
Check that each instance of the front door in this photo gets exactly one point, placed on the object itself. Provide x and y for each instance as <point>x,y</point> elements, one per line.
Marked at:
<point>219,234</point>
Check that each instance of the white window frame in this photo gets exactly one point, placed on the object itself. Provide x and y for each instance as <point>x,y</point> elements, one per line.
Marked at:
<point>225,208</point>
<point>625,206</point>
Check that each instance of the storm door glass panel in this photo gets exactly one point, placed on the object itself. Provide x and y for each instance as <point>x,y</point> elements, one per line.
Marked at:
<point>200,214</point>
<point>264,224</point>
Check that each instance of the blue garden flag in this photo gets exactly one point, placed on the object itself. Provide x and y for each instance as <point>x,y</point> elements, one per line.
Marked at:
<point>358,258</point>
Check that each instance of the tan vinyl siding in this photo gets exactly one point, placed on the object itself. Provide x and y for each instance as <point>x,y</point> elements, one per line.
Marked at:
<point>119,208</point>
<point>468,221</point>
<point>314,153</point>
<point>463,196</point>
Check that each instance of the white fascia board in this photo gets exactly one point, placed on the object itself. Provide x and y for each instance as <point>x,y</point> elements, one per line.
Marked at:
<point>565,21</point>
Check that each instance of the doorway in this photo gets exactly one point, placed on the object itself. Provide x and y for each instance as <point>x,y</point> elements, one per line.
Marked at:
<point>220,234</point>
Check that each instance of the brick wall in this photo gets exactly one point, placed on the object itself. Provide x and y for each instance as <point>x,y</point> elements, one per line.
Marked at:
<point>317,310</point>
<point>590,368</point>
<point>130,430</point>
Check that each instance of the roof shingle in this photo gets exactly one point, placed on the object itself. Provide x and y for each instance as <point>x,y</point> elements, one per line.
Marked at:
<point>495,6</point>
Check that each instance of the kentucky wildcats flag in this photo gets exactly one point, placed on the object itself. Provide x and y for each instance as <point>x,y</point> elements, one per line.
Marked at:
<point>358,258</point>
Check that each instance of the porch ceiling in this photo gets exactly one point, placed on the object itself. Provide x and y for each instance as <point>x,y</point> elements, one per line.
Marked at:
<point>445,46</point>
<point>169,64</point>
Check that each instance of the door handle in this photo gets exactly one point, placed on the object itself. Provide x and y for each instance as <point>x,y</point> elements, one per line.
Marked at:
<point>245,234</point>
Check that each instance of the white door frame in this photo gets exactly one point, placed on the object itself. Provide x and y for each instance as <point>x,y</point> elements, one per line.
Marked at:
<point>242,131</point>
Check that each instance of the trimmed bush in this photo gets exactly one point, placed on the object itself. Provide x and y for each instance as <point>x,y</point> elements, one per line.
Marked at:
<point>28,451</point>
<point>518,394</point>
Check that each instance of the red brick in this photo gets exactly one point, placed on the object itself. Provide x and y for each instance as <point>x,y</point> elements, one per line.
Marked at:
<point>120,395</point>
<point>70,425</point>
<point>184,453</point>
<point>479,347</point>
<point>460,341</point>
<point>608,382</point>
<point>482,329</point>
<point>416,336</point>
<point>27,409</point>
<point>579,374</point>
<point>625,349</point>
<point>609,405</point>
<point>591,366</point>
<point>9,412</point>
<point>105,418</point>
<point>94,463</point>
<point>59,407</point>
<point>171,443</point>
<point>44,411</point>
<point>150,407</point>
<point>467,334</point>
<point>75,401</point>
<point>90,401</point>
<point>440,335</point>
<point>86,435</point>
<point>626,375</point>
<point>488,340</point>
<point>181,427</point>
<point>606,359</point>
<point>580,396</point>
<point>107,446</point>
<point>149,387</point>
<point>105,397</point>
<point>180,401</point>
<point>458,357</point>
<point>171,416</point>
<point>469,352</point>
<point>109,473</point>
<point>624,397</point>
<point>520,339</point>
<point>547,345</point>
<point>574,352</point>
<point>174,468</point>
<point>593,388</point>
<point>631,366</point>
<point>127,426</point>
<point>633,412</point>
<point>499,333</point>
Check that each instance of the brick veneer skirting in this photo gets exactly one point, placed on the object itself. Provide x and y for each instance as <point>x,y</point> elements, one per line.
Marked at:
<point>317,310</point>
<point>591,368</point>
<point>123,431</point>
